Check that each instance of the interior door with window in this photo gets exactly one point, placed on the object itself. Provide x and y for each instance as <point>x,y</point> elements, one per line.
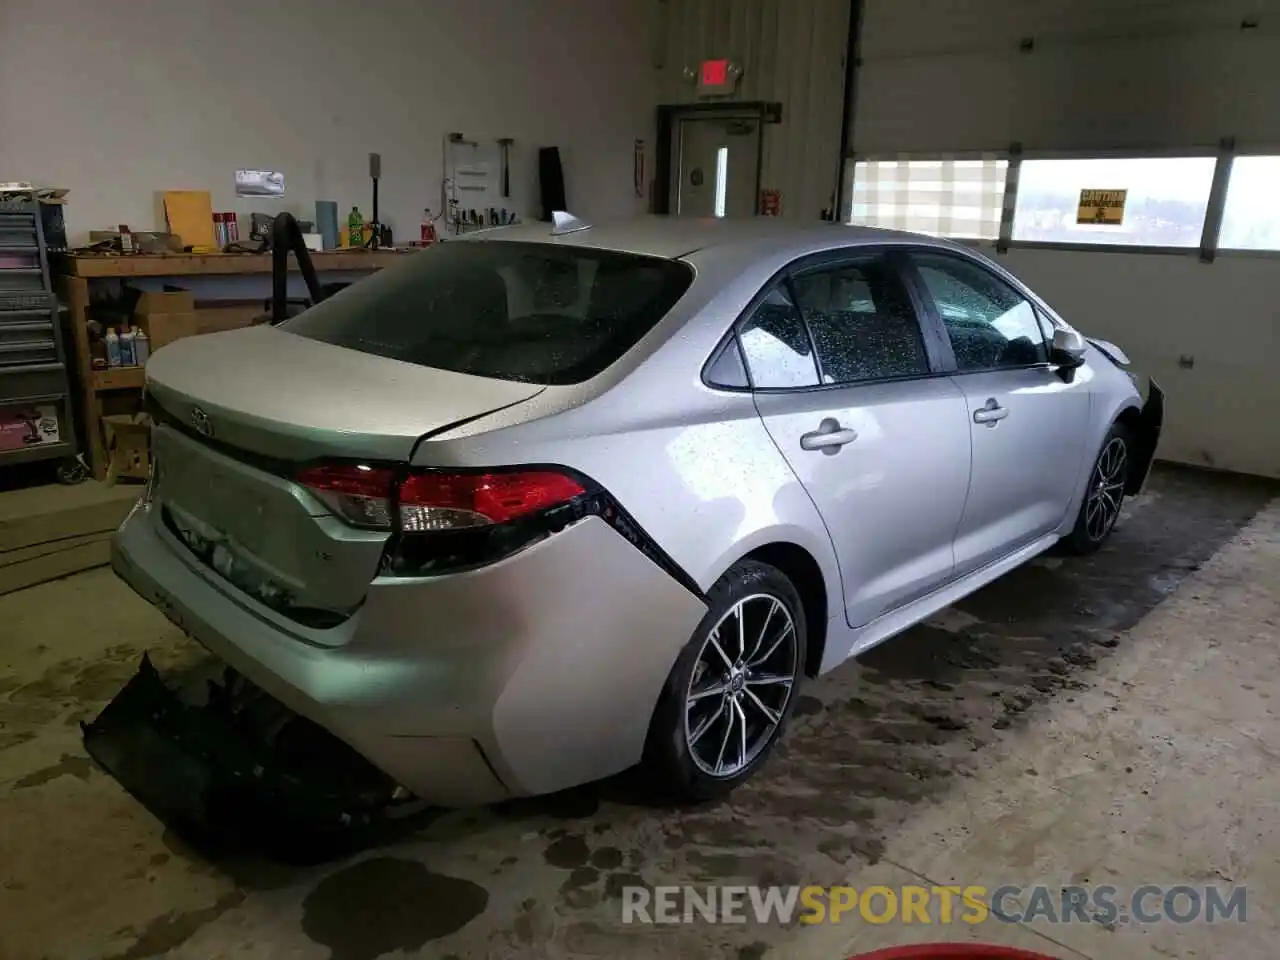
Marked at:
<point>717,166</point>
<point>845,386</point>
<point>1029,425</point>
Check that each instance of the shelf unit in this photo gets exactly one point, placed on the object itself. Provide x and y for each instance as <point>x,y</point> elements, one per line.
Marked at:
<point>78,273</point>
<point>33,369</point>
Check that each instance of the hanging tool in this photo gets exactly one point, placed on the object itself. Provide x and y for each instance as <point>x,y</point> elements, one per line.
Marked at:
<point>505,144</point>
<point>375,172</point>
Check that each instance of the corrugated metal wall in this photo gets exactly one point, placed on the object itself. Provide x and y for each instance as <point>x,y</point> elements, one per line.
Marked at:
<point>792,51</point>
<point>1101,74</point>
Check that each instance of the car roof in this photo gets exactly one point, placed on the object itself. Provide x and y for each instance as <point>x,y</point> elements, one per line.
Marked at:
<point>680,237</point>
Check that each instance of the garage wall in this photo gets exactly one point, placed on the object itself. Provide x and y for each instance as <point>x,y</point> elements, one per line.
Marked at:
<point>949,76</point>
<point>120,100</point>
<point>792,51</point>
<point>1109,75</point>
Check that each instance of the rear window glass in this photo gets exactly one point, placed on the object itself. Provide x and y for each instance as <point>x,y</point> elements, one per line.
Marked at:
<point>533,312</point>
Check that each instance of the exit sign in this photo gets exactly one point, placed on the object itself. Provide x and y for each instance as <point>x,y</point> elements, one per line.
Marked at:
<point>717,77</point>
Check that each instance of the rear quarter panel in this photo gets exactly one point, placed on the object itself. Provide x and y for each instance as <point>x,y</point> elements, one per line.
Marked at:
<point>695,468</point>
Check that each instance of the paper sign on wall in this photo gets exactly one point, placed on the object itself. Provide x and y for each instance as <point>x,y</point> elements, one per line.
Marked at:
<point>1102,206</point>
<point>259,183</point>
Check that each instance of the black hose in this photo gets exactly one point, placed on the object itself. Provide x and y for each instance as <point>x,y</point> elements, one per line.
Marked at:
<point>286,236</point>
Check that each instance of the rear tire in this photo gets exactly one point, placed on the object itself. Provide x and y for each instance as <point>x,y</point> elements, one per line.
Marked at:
<point>732,689</point>
<point>1103,494</point>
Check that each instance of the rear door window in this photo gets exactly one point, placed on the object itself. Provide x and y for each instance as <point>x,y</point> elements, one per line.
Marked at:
<point>533,312</point>
<point>862,321</point>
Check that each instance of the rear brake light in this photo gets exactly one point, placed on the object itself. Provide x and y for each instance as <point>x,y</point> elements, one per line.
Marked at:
<point>359,494</point>
<point>433,501</point>
<point>445,501</point>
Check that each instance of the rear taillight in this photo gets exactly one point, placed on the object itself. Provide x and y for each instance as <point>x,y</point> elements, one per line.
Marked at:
<point>433,501</point>
<point>447,501</point>
<point>359,494</point>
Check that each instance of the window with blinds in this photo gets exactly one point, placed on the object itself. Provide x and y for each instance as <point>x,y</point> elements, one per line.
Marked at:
<point>961,199</point>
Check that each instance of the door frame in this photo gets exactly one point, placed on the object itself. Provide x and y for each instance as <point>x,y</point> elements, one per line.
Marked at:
<point>669,117</point>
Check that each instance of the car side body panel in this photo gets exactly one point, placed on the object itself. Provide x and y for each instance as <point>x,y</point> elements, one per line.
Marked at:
<point>704,481</point>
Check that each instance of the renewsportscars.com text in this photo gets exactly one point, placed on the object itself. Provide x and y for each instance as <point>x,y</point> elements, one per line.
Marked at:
<point>942,905</point>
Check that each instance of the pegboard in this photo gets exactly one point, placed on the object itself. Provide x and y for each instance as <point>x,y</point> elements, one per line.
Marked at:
<point>473,181</point>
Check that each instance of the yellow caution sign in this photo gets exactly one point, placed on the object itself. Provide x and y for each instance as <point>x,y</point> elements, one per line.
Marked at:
<point>1102,206</point>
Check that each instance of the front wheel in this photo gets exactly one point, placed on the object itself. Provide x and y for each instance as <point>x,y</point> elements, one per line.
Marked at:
<point>732,688</point>
<point>1104,493</point>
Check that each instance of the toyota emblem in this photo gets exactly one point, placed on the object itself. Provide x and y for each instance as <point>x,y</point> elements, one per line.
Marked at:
<point>200,420</point>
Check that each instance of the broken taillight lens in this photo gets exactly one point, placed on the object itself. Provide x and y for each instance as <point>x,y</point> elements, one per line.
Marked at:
<point>430,501</point>
<point>359,494</point>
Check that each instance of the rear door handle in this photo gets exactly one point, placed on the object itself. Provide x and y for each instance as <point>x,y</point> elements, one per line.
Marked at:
<point>991,414</point>
<point>829,437</point>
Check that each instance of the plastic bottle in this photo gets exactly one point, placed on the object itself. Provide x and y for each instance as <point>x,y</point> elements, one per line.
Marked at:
<point>141,347</point>
<point>355,228</point>
<point>127,339</point>
<point>113,347</point>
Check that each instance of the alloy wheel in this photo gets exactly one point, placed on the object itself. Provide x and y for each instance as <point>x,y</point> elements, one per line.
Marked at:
<point>1106,489</point>
<point>741,685</point>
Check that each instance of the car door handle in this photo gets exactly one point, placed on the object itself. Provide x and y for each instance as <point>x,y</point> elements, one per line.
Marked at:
<point>829,437</point>
<point>990,414</point>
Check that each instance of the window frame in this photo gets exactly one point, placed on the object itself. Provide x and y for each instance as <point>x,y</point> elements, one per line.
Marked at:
<point>936,345</point>
<point>1208,250</point>
<point>1044,319</point>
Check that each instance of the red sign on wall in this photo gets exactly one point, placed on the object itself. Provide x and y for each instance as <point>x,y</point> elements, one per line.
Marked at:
<point>715,73</point>
<point>770,203</point>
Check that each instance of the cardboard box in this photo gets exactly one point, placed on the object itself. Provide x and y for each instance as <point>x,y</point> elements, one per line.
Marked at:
<point>164,328</point>
<point>165,301</point>
<point>218,319</point>
<point>128,438</point>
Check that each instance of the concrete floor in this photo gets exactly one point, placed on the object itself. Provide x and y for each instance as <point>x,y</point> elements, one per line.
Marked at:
<point>1107,720</point>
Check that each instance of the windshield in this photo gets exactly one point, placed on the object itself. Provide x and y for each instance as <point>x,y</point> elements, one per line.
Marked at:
<point>534,312</point>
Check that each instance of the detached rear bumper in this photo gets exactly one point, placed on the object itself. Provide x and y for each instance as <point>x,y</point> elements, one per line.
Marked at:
<point>532,675</point>
<point>1150,423</point>
<point>210,771</point>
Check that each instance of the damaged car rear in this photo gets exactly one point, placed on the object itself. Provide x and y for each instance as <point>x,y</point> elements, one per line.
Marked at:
<point>310,523</point>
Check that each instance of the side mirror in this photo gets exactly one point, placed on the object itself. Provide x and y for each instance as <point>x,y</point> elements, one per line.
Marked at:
<point>1068,348</point>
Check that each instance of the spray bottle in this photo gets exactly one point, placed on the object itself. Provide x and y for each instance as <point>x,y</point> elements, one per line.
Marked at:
<point>113,347</point>
<point>141,347</point>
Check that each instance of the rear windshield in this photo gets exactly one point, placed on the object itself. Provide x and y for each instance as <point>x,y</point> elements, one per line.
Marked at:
<point>534,312</point>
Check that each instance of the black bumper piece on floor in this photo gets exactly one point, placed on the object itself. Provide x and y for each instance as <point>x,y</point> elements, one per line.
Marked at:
<point>205,772</point>
<point>1150,421</point>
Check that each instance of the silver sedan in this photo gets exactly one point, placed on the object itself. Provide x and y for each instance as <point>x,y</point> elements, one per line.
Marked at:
<point>539,505</point>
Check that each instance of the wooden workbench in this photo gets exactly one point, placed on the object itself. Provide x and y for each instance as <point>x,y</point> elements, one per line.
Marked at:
<point>78,272</point>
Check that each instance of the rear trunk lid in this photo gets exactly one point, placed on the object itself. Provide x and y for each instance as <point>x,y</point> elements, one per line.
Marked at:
<point>267,392</point>
<point>240,413</point>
